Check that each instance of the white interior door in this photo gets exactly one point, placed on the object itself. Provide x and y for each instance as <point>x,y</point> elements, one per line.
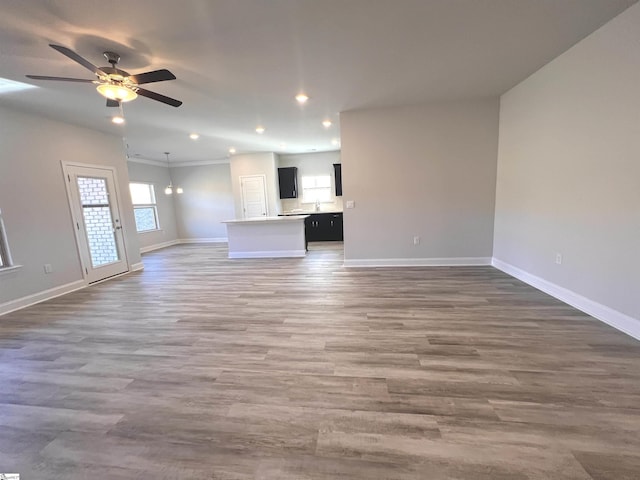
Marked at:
<point>96,216</point>
<point>254,196</point>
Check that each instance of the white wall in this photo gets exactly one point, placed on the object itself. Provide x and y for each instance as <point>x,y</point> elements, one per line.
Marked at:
<point>427,171</point>
<point>569,171</point>
<point>207,200</point>
<point>311,164</point>
<point>159,177</point>
<point>255,164</point>
<point>34,202</point>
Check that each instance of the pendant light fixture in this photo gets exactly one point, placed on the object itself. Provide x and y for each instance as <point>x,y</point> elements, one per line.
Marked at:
<point>169,188</point>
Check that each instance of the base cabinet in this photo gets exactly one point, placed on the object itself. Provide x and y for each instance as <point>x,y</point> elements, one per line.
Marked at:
<point>324,227</point>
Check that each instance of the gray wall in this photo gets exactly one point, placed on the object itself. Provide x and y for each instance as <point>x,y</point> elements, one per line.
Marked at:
<point>159,177</point>
<point>426,171</point>
<point>256,164</point>
<point>207,200</point>
<point>34,202</point>
<point>569,169</point>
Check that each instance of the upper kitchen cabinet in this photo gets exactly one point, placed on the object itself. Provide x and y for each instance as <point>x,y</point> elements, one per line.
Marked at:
<point>337,170</point>
<point>288,182</point>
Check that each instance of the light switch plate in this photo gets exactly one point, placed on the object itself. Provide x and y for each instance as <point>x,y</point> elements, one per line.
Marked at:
<point>350,204</point>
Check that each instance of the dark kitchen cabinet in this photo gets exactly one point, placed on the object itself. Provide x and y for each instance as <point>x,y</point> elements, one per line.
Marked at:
<point>337,171</point>
<point>335,223</point>
<point>288,182</point>
<point>324,227</point>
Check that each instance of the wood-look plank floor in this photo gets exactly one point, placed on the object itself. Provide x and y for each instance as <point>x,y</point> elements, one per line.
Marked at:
<point>201,367</point>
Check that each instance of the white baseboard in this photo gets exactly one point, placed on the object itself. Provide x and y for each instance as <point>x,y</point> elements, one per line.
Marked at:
<point>269,254</point>
<point>136,266</point>
<point>157,246</point>
<point>23,302</point>
<point>619,321</point>
<point>204,240</point>
<point>418,262</point>
<point>181,241</point>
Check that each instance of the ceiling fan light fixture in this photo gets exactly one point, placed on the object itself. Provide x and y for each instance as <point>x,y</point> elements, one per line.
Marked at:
<point>116,92</point>
<point>112,83</point>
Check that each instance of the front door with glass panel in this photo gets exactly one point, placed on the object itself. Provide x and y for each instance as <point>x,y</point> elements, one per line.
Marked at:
<point>96,217</point>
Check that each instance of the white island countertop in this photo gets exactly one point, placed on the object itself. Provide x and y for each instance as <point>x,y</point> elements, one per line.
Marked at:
<point>283,218</point>
<point>320,212</point>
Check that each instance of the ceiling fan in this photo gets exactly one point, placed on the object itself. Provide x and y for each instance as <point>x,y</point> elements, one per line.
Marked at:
<point>115,84</point>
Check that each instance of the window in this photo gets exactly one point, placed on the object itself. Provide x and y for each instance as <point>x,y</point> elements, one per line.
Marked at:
<point>316,189</point>
<point>5,256</point>
<point>143,197</point>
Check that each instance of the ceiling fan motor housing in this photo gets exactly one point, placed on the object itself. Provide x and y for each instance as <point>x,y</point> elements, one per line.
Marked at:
<point>114,73</point>
<point>112,57</point>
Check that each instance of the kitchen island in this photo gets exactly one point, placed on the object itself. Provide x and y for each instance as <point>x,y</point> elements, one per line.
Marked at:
<point>267,237</point>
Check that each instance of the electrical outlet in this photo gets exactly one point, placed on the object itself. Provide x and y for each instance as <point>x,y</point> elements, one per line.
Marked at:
<point>48,268</point>
<point>416,240</point>
<point>350,204</point>
<point>559,258</point>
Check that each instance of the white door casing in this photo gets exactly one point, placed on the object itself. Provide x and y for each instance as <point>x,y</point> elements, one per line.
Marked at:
<point>93,200</point>
<point>254,196</point>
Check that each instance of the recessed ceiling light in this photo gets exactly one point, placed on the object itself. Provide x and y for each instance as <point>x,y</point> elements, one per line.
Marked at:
<point>302,98</point>
<point>326,123</point>
<point>283,145</point>
<point>335,141</point>
<point>260,129</point>
<point>194,136</point>
<point>232,150</point>
<point>117,119</point>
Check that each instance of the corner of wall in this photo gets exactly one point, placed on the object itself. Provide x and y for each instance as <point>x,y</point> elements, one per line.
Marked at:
<point>613,318</point>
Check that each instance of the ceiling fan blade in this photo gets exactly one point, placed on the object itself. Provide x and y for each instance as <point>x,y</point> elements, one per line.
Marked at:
<point>112,103</point>
<point>160,98</point>
<point>77,58</point>
<point>61,79</point>
<point>150,77</point>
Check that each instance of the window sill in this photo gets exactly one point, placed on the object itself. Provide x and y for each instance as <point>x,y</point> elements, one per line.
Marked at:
<point>151,231</point>
<point>12,268</point>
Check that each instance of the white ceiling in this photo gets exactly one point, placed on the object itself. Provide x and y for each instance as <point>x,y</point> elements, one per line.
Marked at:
<point>239,63</point>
